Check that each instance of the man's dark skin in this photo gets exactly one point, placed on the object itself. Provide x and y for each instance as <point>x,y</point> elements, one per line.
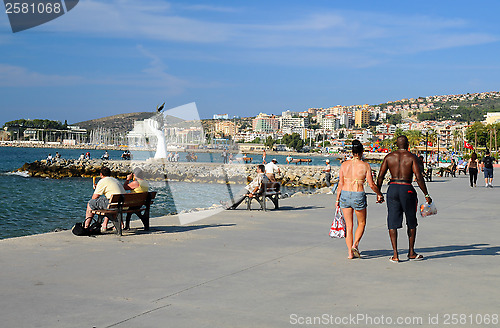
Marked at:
<point>402,164</point>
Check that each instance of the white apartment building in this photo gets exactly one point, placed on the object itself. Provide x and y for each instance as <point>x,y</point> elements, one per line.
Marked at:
<point>289,121</point>
<point>386,128</point>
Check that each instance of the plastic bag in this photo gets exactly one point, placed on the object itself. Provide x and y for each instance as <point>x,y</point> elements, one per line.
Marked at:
<point>428,209</point>
<point>337,230</point>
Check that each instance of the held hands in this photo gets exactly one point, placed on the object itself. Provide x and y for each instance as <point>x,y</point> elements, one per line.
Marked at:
<point>130,176</point>
<point>380,199</point>
<point>428,199</point>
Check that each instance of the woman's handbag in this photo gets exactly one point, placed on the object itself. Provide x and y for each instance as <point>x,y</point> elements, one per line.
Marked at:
<point>337,230</point>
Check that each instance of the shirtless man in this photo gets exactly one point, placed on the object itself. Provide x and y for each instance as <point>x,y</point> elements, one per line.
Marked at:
<point>401,196</point>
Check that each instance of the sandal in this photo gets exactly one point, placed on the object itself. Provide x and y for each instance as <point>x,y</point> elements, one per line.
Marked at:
<point>393,260</point>
<point>355,252</point>
<point>418,257</point>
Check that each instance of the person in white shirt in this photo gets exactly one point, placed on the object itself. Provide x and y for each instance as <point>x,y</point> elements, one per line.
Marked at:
<point>252,188</point>
<point>328,175</point>
<point>272,169</point>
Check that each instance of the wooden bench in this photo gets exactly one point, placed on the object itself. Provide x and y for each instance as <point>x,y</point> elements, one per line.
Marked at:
<point>132,203</point>
<point>269,190</point>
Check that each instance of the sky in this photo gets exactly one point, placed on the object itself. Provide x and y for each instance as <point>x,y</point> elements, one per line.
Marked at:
<point>107,57</point>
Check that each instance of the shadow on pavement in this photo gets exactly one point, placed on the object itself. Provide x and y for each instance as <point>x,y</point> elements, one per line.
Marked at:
<point>443,251</point>
<point>177,229</point>
<point>299,208</point>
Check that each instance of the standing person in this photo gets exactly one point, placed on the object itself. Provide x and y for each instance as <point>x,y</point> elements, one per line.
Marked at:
<point>49,159</point>
<point>487,168</point>
<point>264,157</point>
<point>473,165</point>
<point>289,159</point>
<point>272,169</point>
<point>351,196</point>
<point>105,188</point>
<point>176,157</point>
<point>328,173</point>
<point>224,156</point>
<point>401,196</point>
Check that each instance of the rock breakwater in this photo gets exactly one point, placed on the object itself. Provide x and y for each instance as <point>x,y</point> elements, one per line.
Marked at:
<point>291,175</point>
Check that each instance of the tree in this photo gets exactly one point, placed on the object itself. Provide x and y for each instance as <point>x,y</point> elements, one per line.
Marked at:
<point>394,119</point>
<point>269,143</point>
<point>480,130</point>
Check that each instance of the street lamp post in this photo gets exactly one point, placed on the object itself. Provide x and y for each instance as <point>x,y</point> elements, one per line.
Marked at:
<point>426,143</point>
<point>437,137</point>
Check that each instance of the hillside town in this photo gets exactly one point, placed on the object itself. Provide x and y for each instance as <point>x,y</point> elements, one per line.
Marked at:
<point>332,126</point>
<point>325,130</point>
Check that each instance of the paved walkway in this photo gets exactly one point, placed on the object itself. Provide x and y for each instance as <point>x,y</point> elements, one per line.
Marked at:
<point>263,269</point>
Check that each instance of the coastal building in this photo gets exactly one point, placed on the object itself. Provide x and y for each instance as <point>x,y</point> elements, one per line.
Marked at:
<point>330,122</point>
<point>265,123</point>
<point>227,128</point>
<point>346,120</point>
<point>362,118</point>
<point>287,120</point>
<point>386,128</point>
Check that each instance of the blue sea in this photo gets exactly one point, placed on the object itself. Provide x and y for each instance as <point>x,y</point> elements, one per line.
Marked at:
<point>34,205</point>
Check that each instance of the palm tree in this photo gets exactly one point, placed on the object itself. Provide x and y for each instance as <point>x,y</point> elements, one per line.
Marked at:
<point>414,137</point>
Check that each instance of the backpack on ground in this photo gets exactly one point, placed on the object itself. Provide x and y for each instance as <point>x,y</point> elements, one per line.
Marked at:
<point>93,229</point>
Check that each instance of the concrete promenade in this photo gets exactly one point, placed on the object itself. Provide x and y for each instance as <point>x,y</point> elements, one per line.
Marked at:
<point>265,269</point>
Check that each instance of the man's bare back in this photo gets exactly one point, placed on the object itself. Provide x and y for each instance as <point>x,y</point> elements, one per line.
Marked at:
<point>403,165</point>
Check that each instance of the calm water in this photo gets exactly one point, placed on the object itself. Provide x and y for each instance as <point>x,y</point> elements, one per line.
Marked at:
<point>34,205</point>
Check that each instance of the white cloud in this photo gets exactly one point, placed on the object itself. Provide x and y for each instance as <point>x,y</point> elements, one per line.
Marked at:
<point>16,76</point>
<point>342,33</point>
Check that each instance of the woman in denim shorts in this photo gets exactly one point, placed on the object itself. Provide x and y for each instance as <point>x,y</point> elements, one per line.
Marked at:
<point>351,196</point>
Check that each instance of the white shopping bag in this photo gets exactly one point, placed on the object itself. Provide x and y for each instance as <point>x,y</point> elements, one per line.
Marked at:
<point>337,230</point>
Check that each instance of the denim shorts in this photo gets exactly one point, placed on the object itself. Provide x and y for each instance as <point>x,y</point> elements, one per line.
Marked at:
<point>488,172</point>
<point>353,199</point>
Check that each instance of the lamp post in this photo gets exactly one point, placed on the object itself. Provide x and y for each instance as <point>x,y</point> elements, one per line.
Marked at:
<point>426,143</point>
<point>437,138</point>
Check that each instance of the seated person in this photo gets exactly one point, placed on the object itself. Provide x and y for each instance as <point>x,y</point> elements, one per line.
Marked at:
<point>105,188</point>
<point>253,187</point>
<point>135,183</point>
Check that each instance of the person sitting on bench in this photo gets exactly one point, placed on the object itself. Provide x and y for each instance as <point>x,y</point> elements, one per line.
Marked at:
<point>106,187</point>
<point>135,183</point>
<point>252,188</point>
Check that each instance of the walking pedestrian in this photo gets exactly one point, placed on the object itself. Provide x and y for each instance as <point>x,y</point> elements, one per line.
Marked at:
<point>473,164</point>
<point>351,197</point>
<point>401,196</point>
